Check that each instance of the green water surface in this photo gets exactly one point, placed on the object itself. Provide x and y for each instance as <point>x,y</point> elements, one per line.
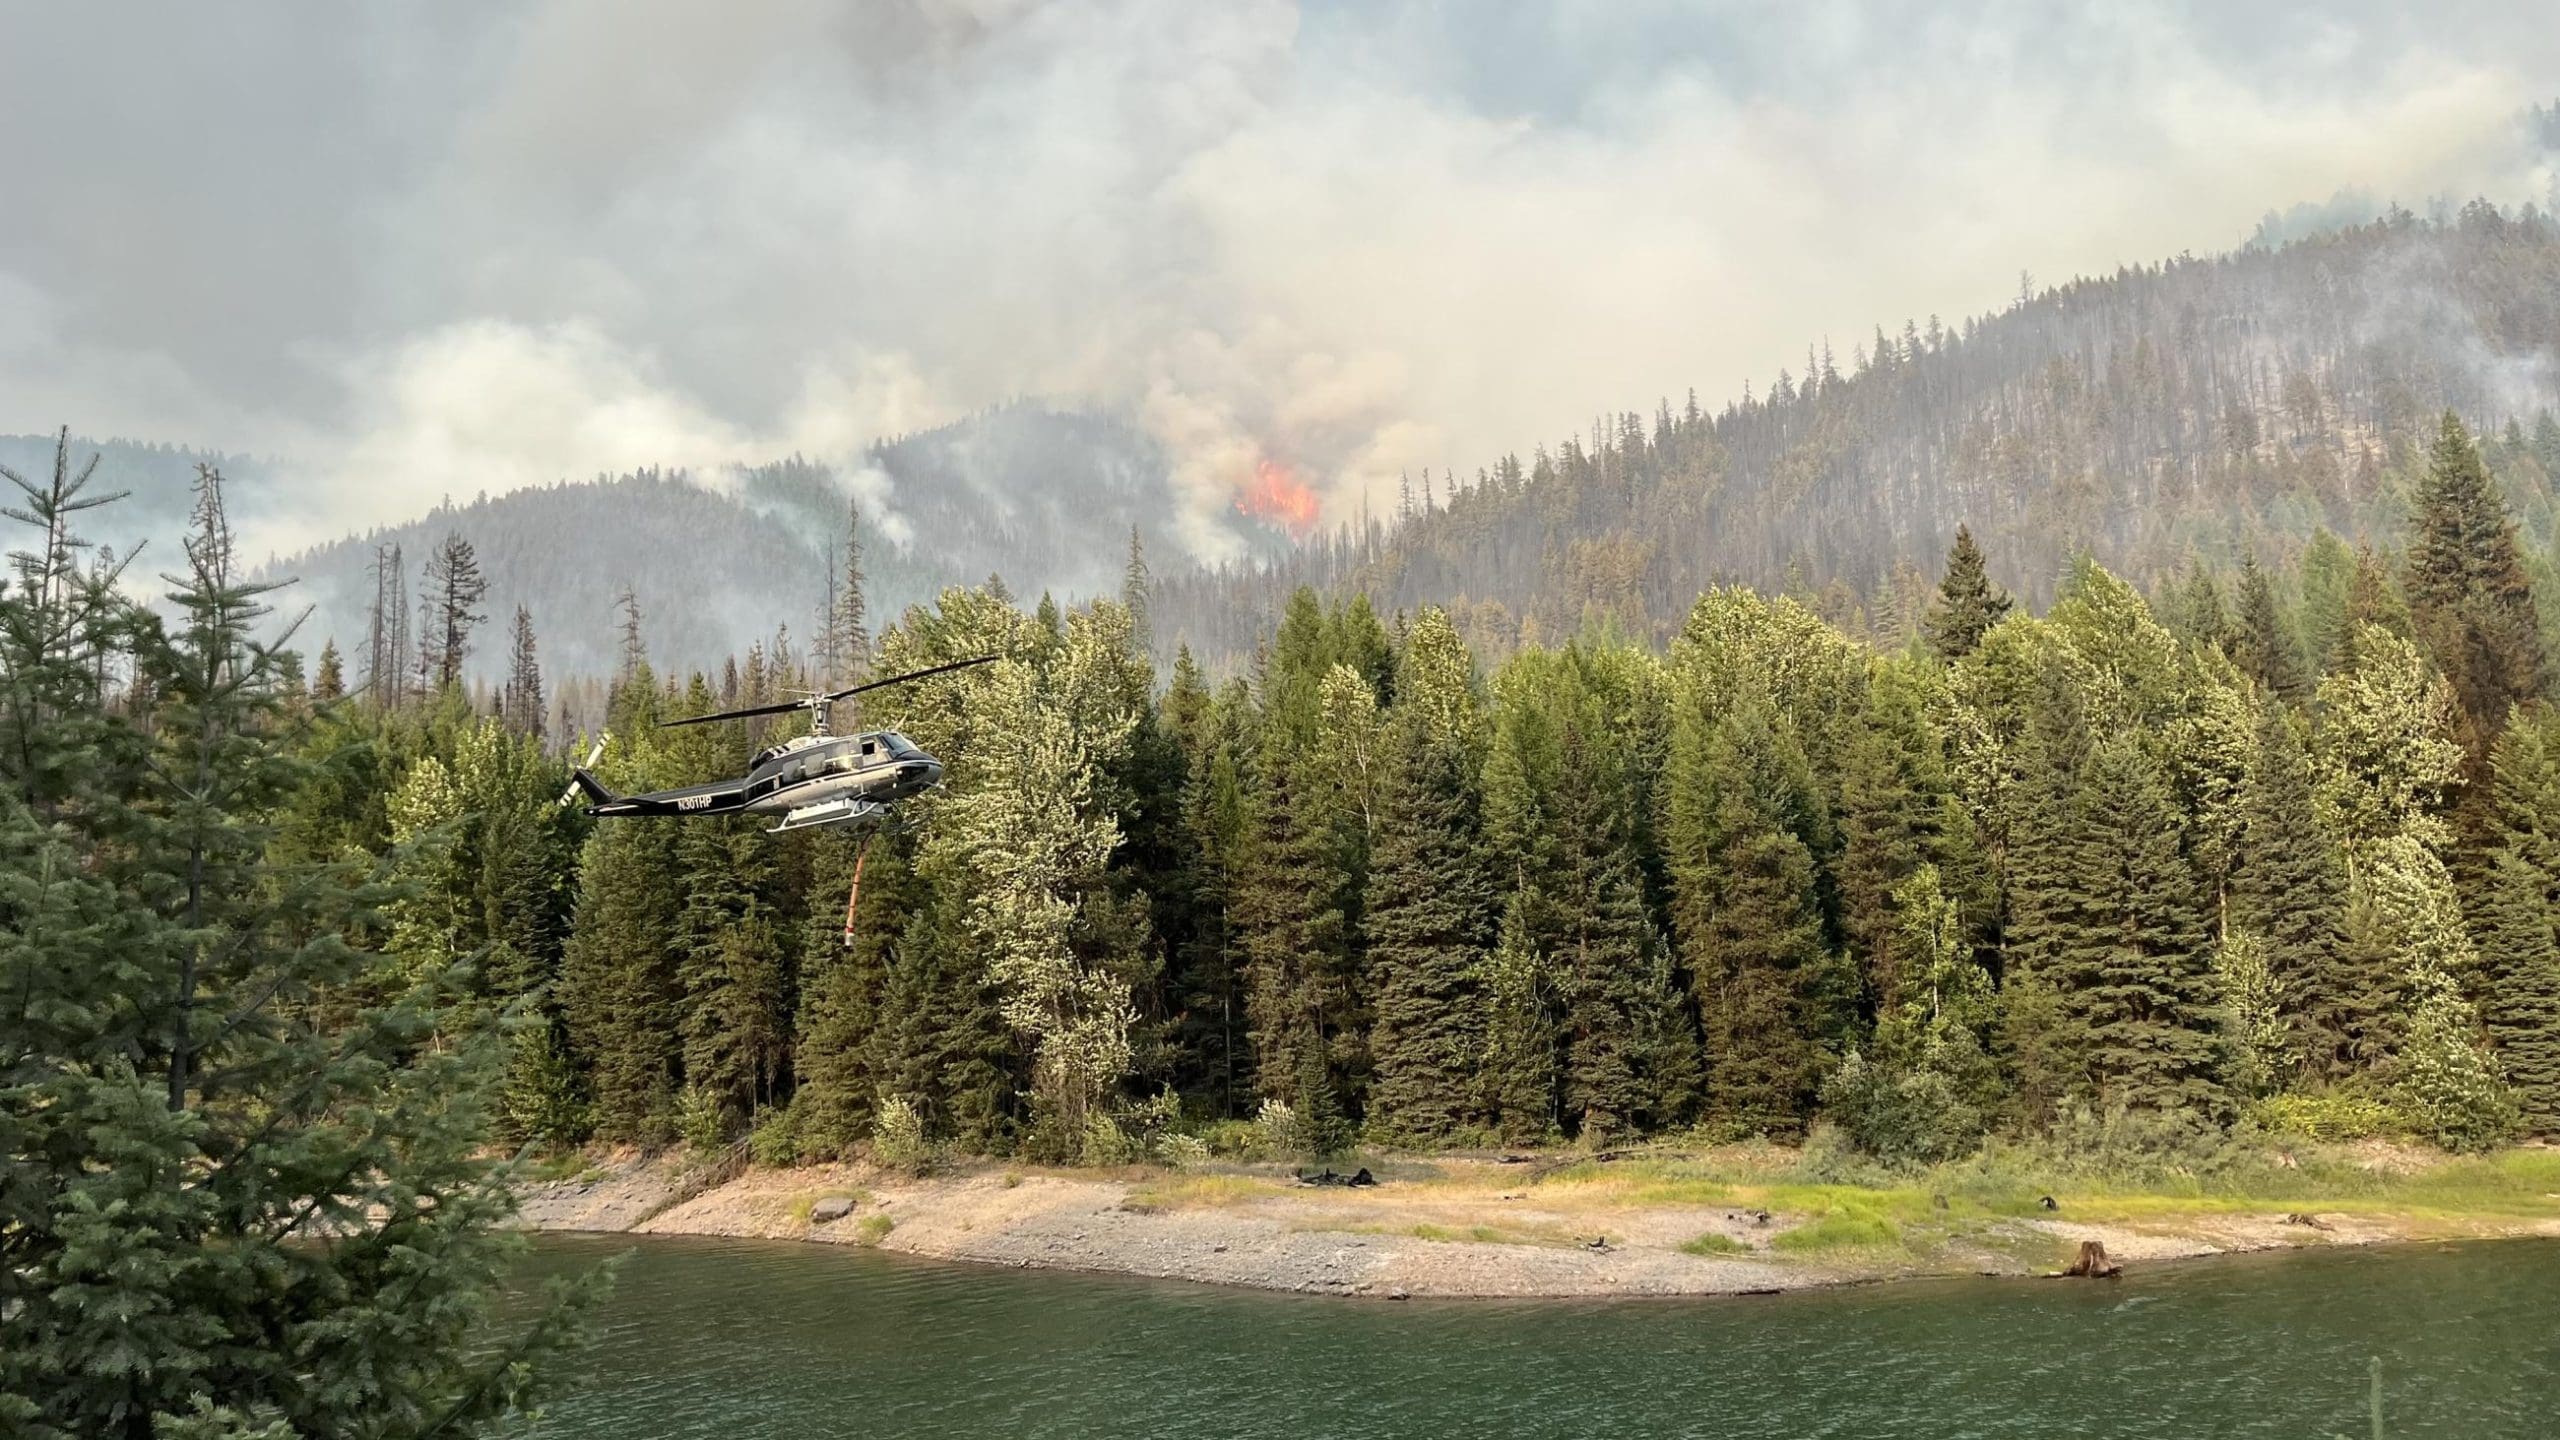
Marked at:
<point>742,1340</point>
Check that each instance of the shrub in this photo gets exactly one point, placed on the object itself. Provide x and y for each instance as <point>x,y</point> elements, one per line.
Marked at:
<point>898,1140</point>
<point>774,1139</point>
<point>1278,1130</point>
<point>1237,1139</point>
<point>702,1122</point>
<point>2328,1116</point>
<point>1182,1152</point>
<point>872,1229</point>
<point>1105,1143</point>
<point>1911,1116</point>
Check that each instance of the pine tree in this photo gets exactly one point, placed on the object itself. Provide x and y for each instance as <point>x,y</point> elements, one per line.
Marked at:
<point>2518,917</point>
<point>211,1199</point>
<point>522,706</point>
<point>1770,991</point>
<point>844,981</point>
<point>1136,582</point>
<point>2469,597</point>
<point>454,586</point>
<point>2260,645</point>
<point>330,683</point>
<point>1429,915</point>
<point>2519,984</point>
<point>618,990</point>
<point>1968,604</point>
<point>2140,976</point>
<point>2288,894</point>
<point>1627,1064</point>
<point>1898,812</point>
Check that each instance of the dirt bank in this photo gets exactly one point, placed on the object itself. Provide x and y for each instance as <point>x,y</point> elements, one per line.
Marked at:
<point>1448,1228</point>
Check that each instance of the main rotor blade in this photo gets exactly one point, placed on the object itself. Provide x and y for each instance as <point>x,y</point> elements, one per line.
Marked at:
<point>777,708</point>
<point>914,675</point>
<point>782,707</point>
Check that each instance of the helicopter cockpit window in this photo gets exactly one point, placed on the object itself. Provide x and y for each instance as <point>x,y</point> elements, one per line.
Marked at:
<point>899,745</point>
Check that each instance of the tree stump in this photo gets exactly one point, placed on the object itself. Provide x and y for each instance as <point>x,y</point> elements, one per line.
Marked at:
<point>2092,1263</point>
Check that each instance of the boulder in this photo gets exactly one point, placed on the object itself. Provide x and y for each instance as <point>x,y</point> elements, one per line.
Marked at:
<point>833,1208</point>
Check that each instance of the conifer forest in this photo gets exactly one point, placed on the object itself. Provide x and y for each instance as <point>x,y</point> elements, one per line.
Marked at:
<point>2269,844</point>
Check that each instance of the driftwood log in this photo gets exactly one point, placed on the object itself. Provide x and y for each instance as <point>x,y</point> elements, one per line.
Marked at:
<point>2092,1263</point>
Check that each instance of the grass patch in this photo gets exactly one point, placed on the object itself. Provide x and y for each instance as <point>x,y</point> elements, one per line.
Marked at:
<point>873,1229</point>
<point>1196,1192</point>
<point>1843,1227</point>
<point>1714,1242</point>
<point>1477,1234</point>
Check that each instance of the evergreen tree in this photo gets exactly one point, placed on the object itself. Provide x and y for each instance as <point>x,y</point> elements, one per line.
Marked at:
<point>618,988</point>
<point>2519,985</point>
<point>2260,645</point>
<point>847,942</point>
<point>330,682</point>
<point>1429,915</point>
<point>1968,604</point>
<point>2139,975</point>
<point>454,586</point>
<point>522,704</point>
<point>1627,1064</point>
<point>2288,895</point>
<point>1899,812</point>
<point>1771,993</point>
<point>2469,597</point>
<point>220,1215</point>
<point>2518,918</point>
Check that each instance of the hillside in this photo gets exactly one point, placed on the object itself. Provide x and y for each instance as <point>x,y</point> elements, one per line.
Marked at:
<point>2199,406</point>
<point>1044,498</point>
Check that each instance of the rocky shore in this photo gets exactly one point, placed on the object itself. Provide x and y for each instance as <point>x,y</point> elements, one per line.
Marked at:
<point>1468,1229</point>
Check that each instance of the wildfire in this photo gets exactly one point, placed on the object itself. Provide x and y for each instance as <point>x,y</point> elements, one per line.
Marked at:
<point>1277,497</point>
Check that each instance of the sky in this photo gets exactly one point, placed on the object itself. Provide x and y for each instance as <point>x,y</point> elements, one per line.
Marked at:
<point>413,250</point>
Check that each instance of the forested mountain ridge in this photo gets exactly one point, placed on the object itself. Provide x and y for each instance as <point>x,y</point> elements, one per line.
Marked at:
<point>2197,407</point>
<point>1046,498</point>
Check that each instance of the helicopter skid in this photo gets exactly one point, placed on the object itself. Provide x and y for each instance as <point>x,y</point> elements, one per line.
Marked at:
<point>830,812</point>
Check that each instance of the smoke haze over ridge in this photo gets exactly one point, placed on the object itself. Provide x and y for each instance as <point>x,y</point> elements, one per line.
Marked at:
<point>420,250</point>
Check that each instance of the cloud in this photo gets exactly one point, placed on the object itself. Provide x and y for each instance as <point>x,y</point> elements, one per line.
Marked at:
<point>430,250</point>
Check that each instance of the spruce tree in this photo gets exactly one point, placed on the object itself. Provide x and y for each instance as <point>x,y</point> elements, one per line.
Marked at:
<point>1430,915</point>
<point>2288,893</point>
<point>249,1190</point>
<point>1770,991</point>
<point>522,704</point>
<point>844,981</point>
<point>2139,975</point>
<point>2260,644</point>
<point>2469,596</point>
<point>2519,984</point>
<point>1627,1064</point>
<point>618,988</point>
<point>2517,919</point>
<point>1898,812</point>
<point>1968,604</point>
<point>454,587</point>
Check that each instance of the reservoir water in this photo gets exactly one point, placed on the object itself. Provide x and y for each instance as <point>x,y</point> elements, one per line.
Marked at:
<point>743,1340</point>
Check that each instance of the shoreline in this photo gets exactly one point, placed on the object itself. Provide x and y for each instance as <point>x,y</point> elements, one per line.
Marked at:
<point>1442,1229</point>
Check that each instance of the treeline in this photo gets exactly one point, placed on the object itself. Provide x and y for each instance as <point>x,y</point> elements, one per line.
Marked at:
<point>2283,845</point>
<point>2201,407</point>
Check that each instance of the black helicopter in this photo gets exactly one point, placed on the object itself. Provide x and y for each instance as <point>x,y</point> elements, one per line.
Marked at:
<point>808,780</point>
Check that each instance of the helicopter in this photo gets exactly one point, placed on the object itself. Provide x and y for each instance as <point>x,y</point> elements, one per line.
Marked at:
<point>808,780</point>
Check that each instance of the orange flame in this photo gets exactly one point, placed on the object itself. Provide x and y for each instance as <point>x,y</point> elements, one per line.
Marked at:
<point>1275,496</point>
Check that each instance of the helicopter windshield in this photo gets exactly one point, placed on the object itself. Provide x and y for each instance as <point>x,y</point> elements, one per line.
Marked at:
<point>898,745</point>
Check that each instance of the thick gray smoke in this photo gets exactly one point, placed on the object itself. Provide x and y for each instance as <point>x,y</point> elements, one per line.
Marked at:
<point>433,249</point>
